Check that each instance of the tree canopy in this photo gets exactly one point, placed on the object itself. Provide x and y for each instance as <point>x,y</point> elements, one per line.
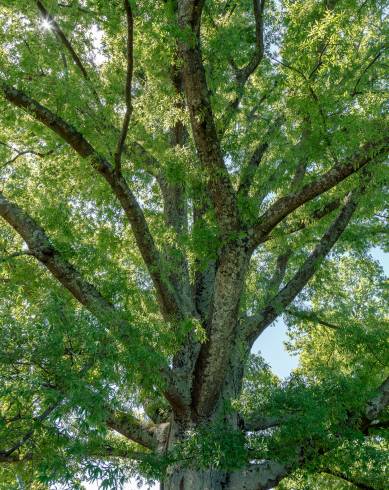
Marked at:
<point>175,175</point>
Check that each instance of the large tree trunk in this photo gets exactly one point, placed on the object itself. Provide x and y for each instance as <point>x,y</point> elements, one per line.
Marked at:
<point>185,479</point>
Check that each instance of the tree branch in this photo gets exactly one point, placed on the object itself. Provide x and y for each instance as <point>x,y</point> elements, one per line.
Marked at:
<point>376,405</point>
<point>43,250</point>
<point>43,416</point>
<point>132,428</point>
<point>287,204</point>
<point>347,478</point>
<point>311,317</point>
<point>20,153</point>
<point>268,474</point>
<point>245,72</point>
<point>249,171</point>
<point>64,40</point>
<point>256,422</point>
<point>316,215</point>
<point>255,325</point>
<point>128,87</point>
<point>5,258</point>
<point>167,298</point>
<point>370,64</point>
<point>202,118</point>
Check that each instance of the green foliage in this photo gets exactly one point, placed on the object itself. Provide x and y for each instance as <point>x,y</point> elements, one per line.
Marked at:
<point>320,94</point>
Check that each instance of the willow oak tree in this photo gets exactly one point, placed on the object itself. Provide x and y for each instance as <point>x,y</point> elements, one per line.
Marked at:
<point>175,176</point>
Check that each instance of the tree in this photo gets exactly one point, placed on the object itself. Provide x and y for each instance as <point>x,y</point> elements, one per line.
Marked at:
<point>176,175</point>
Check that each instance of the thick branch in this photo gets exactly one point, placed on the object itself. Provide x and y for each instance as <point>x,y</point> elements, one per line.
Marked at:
<point>256,324</point>
<point>347,478</point>
<point>41,248</point>
<point>204,276</point>
<point>287,204</point>
<point>202,118</point>
<point>167,298</point>
<point>211,371</point>
<point>376,405</point>
<point>108,452</point>
<point>132,428</point>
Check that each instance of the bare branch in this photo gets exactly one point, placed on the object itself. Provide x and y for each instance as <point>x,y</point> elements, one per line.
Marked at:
<point>128,88</point>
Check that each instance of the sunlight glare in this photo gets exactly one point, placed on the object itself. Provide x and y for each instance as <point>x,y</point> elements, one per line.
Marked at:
<point>46,25</point>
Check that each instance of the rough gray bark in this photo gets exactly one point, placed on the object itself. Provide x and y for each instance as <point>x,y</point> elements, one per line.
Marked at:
<point>255,477</point>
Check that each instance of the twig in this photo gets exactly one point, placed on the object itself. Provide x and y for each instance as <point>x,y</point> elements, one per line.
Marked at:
<point>130,67</point>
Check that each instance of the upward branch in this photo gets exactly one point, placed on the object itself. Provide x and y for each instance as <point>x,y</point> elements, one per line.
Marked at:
<point>257,323</point>
<point>243,74</point>
<point>166,297</point>
<point>284,206</point>
<point>202,118</point>
<point>41,248</point>
<point>67,44</point>
<point>128,87</point>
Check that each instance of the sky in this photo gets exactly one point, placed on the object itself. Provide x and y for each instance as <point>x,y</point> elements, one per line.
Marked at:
<point>271,347</point>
